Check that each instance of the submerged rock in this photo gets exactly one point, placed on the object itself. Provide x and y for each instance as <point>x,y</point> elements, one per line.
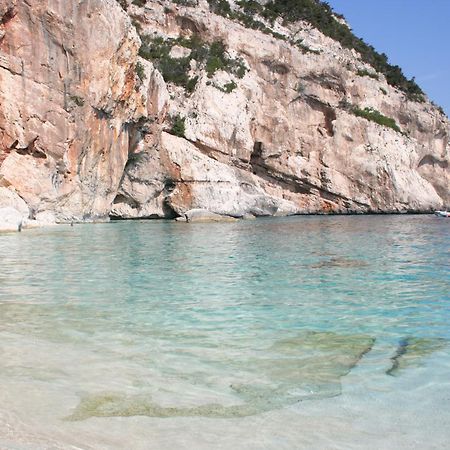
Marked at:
<point>117,405</point>
<point>339,263</point>
<point>411,351</point>
<point>305,367</point>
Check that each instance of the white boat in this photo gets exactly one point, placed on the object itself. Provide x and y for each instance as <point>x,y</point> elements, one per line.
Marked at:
<point>442,213</point>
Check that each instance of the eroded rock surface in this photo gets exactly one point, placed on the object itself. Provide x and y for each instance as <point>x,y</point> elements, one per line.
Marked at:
<point>284,139</point>
<point>70,104</point>
<point>87,127</point>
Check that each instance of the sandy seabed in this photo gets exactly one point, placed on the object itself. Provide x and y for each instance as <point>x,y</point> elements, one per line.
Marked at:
<point>413,415</point>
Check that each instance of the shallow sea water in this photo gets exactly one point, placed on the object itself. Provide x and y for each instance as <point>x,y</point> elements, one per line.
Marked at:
<point>290,333</point>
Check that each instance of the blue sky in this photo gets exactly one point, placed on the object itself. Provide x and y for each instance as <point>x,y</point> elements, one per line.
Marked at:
<point>415,34</point>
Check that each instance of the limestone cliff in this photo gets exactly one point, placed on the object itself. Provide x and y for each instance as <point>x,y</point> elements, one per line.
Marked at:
<point>71,105</point>
<point>224,109</point>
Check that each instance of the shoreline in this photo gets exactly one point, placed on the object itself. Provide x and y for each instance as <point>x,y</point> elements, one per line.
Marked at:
<point>205,217</point>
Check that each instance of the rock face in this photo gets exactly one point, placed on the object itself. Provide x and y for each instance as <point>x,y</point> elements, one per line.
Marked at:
<point>266,128</point>
<point>175,177</point>
<point>70,104</point>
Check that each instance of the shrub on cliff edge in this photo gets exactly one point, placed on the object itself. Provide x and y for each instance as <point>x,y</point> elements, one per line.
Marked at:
<point>178,126</point>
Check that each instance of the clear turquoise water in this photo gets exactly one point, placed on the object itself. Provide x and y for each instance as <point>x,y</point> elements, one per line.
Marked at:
<point>163,320</point>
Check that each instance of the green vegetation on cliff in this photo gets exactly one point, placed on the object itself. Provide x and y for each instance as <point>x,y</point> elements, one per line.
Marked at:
<point>375,116</point>
<point>211,57</point>
<point>178,126</point>
<point>366,73</point>
<point>321,16</point>
<point>140,71</point>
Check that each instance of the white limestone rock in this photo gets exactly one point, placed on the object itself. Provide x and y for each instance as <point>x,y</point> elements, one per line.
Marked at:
<point>203,215</point>
<point>10,219</point>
